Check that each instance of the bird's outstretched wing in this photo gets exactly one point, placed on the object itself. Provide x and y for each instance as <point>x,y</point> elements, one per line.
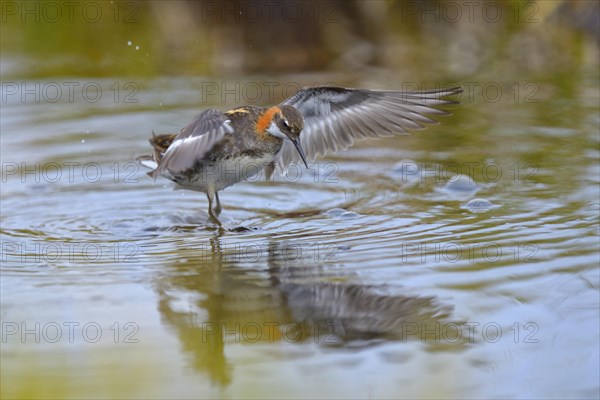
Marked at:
<point>334,117</point>
<point>193,142</point>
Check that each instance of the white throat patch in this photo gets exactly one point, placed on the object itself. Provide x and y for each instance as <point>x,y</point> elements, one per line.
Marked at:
<point>274,130</point>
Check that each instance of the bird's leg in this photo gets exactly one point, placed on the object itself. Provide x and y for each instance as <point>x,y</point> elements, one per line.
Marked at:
<point>218,207</point>
<point>210,194</point>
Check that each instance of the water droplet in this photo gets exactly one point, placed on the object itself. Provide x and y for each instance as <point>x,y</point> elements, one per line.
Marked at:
<point>461,183</point>
<point>129,43</point>
<point>478,205</point>
<point>137,47</point>
<point>335,212</point>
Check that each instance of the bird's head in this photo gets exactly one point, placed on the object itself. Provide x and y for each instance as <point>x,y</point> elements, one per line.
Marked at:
<point>287,123</point>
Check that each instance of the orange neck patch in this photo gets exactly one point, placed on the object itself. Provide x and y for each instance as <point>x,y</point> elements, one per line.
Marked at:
<point>264,120</point>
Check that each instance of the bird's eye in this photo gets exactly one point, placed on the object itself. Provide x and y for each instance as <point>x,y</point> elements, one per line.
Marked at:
<point>285,124</point>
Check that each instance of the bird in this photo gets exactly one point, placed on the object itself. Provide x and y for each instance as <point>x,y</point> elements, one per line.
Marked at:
<point>218,149</point>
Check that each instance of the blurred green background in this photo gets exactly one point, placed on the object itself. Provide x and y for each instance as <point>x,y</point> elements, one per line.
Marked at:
<point>229,38</point>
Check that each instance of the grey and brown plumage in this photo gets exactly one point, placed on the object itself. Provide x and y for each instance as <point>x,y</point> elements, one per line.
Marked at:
<point>218,149</point>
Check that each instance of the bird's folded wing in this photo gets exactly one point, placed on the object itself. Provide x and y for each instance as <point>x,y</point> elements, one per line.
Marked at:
<point>334,118</point>
<point>194,142</point>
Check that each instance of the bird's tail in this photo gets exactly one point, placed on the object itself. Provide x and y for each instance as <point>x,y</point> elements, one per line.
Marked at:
<point>148,162</point>
<point>160,144</point>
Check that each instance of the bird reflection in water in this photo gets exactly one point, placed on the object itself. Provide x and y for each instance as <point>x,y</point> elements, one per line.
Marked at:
<point>223,295</point>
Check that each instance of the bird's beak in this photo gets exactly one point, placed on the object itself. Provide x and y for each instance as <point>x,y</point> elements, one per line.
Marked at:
<point>300,151</point>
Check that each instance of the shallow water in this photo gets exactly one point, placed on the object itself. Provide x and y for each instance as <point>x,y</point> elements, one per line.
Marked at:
<point>460,261</point>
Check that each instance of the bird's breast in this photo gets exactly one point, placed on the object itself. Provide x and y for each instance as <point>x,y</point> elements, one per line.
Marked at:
<point>226,172</point>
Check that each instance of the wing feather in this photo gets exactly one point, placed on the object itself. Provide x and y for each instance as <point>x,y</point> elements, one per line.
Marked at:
<point>193,142</point>
<point>335,118</point>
